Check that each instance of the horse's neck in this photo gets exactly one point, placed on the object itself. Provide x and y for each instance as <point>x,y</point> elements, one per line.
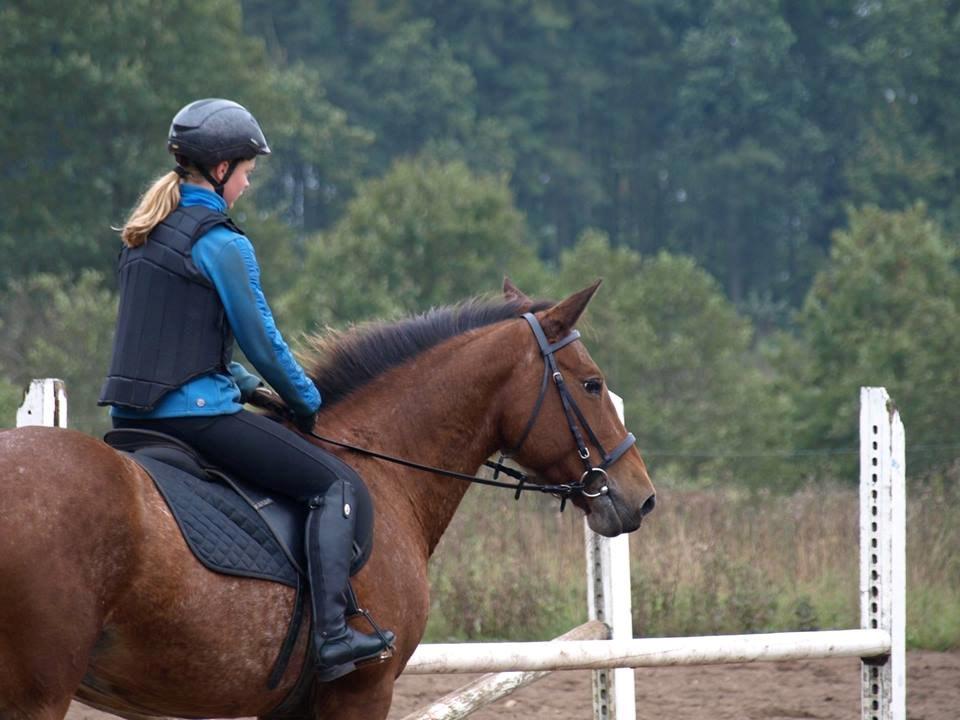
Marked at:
<point>438,410</point>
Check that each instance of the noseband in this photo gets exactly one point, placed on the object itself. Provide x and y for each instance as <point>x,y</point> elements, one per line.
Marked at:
<point>575,420</point>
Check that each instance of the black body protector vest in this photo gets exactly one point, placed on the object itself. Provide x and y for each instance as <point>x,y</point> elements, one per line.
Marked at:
<point>171,326</point>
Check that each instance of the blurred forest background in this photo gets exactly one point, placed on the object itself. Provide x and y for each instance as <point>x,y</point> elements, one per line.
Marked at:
<point>771,191</point>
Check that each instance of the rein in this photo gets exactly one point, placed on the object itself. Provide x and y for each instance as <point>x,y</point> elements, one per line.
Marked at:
<point>573,414</point>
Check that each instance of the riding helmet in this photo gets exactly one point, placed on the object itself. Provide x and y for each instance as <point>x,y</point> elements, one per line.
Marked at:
<point>207,132</point>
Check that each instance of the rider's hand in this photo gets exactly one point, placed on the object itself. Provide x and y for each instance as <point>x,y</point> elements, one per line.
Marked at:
<point>265,398</point>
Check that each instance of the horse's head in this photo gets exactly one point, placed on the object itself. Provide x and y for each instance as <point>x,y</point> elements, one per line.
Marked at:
<point>559,420</point>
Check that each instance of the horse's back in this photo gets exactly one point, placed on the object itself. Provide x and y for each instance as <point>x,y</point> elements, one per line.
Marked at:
<point>71,511</point>
<point>67,483</point>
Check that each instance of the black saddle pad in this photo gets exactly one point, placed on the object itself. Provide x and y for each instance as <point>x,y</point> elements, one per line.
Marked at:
<point>222,530</point>
<point>232,527</point>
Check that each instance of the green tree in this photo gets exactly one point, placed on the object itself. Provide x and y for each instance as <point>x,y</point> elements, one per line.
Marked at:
<point>680,355</point>
<point>906,148</point>
<point>734,131</point>
<point>880,84</point>
<point>427,233</point>
<point>881,313</point>
<point>393,72</point>
<point>10,398</point>
<point>742,146</point>
<point>89,90</point>
<point>52,326</point>
<point>537,73</point>
<point>318,155</point>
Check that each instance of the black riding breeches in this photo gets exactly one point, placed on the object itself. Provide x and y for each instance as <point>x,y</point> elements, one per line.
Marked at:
<point>257,450</point>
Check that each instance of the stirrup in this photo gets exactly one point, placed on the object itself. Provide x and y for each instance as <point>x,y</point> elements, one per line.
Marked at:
<point>354,610</point>
<point>388,644</point>
<point>333,672</point>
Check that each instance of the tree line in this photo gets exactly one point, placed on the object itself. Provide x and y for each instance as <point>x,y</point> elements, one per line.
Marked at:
<point>768,189</point>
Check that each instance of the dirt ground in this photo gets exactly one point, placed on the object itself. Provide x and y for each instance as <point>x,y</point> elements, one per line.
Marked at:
<point>826,689</point>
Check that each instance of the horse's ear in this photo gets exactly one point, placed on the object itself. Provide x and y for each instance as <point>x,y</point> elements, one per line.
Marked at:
<point>512,293</point>
<point>558,321</point>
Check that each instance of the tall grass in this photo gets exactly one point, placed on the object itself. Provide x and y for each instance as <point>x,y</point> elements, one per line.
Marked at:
<point>706,562</point>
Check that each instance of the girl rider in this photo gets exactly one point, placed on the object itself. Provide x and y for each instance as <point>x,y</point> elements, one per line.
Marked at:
<point>189,285</point>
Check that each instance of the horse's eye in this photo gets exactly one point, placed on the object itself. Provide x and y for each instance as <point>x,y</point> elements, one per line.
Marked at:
<point>593,386</point>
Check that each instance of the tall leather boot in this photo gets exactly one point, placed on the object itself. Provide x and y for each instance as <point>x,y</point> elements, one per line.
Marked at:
<point>329,545</point>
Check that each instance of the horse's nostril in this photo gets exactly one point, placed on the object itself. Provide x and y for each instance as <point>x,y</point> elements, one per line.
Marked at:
<point>648,506</point>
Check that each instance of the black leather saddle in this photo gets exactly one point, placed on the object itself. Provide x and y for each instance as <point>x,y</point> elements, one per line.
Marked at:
<point>231,526</point>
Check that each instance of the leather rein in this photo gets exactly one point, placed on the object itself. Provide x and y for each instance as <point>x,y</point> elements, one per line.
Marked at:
<point>575,420</point>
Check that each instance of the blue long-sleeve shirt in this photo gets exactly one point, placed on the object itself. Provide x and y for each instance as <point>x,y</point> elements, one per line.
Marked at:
<point>228,260</point>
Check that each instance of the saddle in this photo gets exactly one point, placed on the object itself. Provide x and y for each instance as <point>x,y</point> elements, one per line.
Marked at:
<point>232,526</point>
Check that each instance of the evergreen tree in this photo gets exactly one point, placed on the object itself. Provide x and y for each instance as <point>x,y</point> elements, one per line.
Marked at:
<point>680,355</point>
<point>89,90</point>
<point>425,234</point>
<point>881,313</point>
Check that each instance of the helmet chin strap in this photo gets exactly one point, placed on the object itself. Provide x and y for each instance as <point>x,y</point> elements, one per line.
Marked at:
<point>218,184</point>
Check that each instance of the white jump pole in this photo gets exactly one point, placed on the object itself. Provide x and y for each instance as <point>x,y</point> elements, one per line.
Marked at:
<point>883,565</point>
<point>608,600</point>
<point>491,687</point>
<point>45,403</point>
<point>646,652</point>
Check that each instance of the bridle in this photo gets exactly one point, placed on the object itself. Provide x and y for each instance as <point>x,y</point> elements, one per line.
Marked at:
<point>575,420</point>
<point>574,416</point>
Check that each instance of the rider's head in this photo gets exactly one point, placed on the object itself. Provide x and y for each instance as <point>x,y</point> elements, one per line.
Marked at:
<point>213,137</point>
<point>214,141</point>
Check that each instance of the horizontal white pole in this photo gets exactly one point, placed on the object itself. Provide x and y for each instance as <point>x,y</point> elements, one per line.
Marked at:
<point>646,652</point>
<point>491,687</point>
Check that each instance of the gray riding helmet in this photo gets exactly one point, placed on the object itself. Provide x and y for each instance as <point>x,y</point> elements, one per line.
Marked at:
<point>207,132</point>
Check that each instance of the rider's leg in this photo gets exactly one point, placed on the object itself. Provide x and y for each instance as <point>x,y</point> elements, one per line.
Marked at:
<point>329,535</point>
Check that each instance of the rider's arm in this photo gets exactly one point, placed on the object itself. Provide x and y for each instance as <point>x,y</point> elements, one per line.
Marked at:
<point>232,267</point>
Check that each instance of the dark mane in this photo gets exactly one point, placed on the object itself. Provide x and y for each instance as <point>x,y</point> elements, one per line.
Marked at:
<point>341,362</point>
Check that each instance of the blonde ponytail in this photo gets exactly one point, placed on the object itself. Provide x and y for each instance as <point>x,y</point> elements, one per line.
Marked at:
<point>159,200</point>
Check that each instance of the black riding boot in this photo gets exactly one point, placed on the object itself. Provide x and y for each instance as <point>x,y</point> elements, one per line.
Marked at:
<point>329,540</point>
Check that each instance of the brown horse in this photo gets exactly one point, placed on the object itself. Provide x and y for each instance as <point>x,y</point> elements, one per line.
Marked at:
<point>101,599</point>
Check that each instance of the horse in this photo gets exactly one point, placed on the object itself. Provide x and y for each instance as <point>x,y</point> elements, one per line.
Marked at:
<point>101,600</point>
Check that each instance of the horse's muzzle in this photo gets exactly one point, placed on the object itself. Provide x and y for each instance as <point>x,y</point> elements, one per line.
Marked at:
<point>610,516</point>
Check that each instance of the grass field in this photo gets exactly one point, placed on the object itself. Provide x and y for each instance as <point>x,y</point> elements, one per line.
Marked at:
<point>707,562</point>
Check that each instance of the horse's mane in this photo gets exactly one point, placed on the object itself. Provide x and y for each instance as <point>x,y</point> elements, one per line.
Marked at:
<point>340,362</point>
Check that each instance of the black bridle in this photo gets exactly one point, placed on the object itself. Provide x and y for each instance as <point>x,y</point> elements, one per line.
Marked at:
<point>575,420</point>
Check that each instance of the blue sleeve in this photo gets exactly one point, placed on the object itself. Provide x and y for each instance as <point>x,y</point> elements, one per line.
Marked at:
<point>232,268</point>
